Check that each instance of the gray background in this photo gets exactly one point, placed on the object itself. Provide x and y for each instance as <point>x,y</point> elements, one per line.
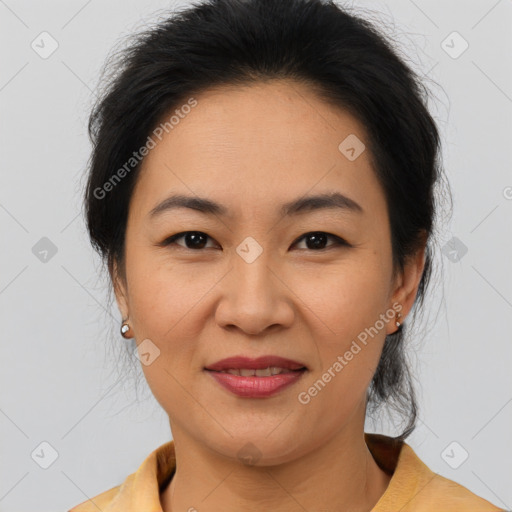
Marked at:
<point>60,369</point>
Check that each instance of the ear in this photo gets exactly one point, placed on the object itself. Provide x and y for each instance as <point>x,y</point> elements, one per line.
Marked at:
<point>118,283</point>
<point>407,282</point>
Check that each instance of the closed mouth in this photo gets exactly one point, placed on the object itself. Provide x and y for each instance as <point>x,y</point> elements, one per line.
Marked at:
<point>260,372</point>
<point>263,366</point>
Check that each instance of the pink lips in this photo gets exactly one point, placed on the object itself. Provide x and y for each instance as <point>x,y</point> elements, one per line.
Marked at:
<point>275,374</point>
<point>238,362</point>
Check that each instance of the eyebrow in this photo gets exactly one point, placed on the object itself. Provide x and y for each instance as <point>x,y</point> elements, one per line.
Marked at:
<point>334,200</point>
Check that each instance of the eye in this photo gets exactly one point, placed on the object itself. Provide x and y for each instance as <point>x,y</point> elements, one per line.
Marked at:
<point>317,240</point>
<point>197,240</point>
<point>194,240</point>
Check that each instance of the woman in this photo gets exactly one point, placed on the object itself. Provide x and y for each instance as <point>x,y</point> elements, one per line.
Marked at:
<point>262,190</point>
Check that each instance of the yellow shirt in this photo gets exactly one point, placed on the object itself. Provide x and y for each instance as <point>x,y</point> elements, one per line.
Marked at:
<point>413,486</point>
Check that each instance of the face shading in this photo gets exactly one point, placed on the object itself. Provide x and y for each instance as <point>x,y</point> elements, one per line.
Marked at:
<point>251,234</point>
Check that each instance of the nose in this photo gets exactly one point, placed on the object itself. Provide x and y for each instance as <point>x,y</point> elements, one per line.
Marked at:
<point>255,298</point>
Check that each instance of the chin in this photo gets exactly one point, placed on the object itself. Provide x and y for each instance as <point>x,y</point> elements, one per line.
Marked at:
<point>258,447</point>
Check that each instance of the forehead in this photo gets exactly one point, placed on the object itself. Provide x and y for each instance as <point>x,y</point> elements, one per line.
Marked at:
<point>276,119</point>
<point>259,145</point>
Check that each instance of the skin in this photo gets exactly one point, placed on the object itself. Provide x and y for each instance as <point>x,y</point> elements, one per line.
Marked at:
<point>252,149</point>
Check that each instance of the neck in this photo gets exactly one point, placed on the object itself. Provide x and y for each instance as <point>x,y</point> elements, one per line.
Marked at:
<point>342,473</point>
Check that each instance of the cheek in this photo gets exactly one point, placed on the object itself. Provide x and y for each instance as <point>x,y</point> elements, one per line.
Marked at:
<point>171,306</point>
<point>345,314</point>
<point>163,299</point>
<point>165,304</point>
<point>345,307</point>
<point>346,298</point>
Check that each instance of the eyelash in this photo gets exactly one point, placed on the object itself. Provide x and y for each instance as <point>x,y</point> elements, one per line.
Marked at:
<point>338,241</point>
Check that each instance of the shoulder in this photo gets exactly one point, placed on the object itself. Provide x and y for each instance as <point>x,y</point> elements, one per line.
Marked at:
<point>414,487</point>
<point>99,502</point>
<point>427,491</point>
<point>446,494</point>
<point>140,491</point>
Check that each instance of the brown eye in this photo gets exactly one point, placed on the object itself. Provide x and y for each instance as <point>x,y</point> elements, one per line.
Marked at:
<point>197,240</point>
<point>194,240</point>
<point>317,240</point>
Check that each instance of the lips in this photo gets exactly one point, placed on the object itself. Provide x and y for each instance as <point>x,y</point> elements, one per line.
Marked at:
<point>260,363</point>
<point>263,372</point>
<point>256,378</point>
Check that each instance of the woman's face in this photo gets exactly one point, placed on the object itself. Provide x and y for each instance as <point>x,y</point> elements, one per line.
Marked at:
<point>250,284</point>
